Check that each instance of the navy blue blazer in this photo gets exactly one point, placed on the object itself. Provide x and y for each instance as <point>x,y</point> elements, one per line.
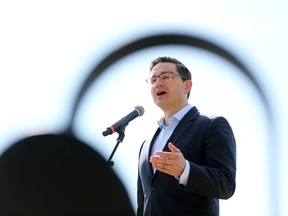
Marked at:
<point>209,145</point>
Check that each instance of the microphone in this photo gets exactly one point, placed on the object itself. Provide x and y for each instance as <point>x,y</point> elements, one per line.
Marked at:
<point>122,123</point>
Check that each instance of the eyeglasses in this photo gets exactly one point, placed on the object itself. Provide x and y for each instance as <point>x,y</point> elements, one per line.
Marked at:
<point>164,77</point>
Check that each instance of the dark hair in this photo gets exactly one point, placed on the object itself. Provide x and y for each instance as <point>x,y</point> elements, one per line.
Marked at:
<point>180,67</point>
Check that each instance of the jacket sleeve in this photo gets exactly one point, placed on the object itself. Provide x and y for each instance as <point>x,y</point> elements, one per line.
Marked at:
<point>215,176</point>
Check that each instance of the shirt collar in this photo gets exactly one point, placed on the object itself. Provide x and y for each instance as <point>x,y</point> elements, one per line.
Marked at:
<point>176,117</point>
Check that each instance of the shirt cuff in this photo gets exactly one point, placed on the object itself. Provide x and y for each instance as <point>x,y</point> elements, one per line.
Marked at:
<point>185,175</point>
<point>183,179</point>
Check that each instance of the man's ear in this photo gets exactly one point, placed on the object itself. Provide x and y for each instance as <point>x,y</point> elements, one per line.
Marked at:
<point>188,86</point>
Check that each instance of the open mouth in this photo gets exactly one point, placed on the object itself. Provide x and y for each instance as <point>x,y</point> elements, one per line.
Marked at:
<point>160,93</point>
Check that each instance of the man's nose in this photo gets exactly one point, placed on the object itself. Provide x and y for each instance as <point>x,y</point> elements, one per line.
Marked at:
<point>158,82</point>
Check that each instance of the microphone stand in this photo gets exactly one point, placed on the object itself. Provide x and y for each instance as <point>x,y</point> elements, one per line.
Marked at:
<point>119,140</point>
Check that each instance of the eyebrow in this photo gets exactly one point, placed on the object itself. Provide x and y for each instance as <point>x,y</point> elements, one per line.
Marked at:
<point>162,73</point>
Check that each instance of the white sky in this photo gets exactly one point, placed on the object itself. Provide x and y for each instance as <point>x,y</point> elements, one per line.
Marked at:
<point>48,47</point>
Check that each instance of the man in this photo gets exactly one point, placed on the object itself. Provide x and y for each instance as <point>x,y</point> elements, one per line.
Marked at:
<point>190,163</point>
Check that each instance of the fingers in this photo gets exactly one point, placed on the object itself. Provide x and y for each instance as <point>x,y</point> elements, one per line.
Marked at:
<point>159,162</point>
<point>173,148</point>
<point>168,155</point>
<point>172,162</point>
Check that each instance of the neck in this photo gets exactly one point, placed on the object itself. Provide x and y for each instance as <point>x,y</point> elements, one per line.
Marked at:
<point>170,112</point>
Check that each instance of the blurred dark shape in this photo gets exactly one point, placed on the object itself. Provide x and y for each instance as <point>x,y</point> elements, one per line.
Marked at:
<point>59,175</point>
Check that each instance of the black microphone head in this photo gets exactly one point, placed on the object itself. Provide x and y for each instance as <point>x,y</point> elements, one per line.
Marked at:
<point>140,110</point>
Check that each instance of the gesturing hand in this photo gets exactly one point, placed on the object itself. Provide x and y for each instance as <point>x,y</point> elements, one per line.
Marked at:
<point>172,163</point>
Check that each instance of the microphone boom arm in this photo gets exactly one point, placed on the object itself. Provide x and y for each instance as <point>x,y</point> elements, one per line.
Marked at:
<point>119,140</point>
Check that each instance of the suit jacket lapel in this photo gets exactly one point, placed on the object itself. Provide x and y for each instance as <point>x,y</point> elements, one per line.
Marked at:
<point>182,126</point>
<point>146,153</point>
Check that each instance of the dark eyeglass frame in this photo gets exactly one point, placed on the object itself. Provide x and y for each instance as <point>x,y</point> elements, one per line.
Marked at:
<point>152,80</point>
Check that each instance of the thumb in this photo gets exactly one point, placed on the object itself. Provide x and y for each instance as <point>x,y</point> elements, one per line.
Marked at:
<point>173,148</point>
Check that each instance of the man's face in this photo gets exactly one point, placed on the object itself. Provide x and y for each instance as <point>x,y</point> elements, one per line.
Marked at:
<point>172,94</point>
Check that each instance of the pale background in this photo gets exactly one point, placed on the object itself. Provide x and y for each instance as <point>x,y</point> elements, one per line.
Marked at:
<point>47,48</point>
